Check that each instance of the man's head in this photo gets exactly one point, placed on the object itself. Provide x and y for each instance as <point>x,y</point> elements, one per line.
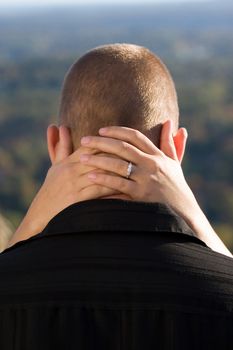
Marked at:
<point>120,84</point>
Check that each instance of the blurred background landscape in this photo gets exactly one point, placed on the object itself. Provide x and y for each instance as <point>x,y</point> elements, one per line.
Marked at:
<point>195,40</point>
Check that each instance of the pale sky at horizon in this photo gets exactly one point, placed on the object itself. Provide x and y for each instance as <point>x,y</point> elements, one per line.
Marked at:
<point>19,3</point>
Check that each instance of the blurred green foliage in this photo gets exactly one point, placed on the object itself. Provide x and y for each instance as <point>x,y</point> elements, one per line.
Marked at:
<point>38,48</point>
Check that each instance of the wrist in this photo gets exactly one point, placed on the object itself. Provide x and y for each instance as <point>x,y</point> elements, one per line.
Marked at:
<point>29,226</point>
<point>199,223</point>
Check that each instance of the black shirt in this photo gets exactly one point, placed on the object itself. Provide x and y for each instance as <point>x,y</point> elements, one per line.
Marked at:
<point>114,274</point>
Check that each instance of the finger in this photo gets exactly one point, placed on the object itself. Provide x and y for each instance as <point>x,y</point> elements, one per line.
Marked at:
<point>133,136</point>
<point>95,191</point>
<point>119,148</point>
<point>167,145</point>
<point>114,165</point>
<point>59,143</point>
<point>117,183</point>
<point>75,156</point>
<point>78,182</point>
<point>75,170</point>
<point>77,189</point>
<point>66,147</point>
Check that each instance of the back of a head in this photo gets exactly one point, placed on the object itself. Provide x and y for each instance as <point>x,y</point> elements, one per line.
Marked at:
<point>118,84</point>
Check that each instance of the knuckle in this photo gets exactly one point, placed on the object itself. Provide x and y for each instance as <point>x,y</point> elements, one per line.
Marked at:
<point>161,168</point>
<point>137,134</point>
<point>124,146</point>
<point>157,163</point>
<point>158,173</point>
<point>153,164</point>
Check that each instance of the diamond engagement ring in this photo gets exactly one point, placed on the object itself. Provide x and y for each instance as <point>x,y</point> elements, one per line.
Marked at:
<point>129,170</point>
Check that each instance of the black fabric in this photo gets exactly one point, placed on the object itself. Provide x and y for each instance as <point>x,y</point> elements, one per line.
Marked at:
<point>114,274</point>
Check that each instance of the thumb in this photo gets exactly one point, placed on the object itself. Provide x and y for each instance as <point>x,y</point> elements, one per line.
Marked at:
<point>167,145</point>
<point>64,147</point>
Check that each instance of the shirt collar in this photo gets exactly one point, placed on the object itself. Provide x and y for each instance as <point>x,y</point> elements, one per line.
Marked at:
<point>116,215</point>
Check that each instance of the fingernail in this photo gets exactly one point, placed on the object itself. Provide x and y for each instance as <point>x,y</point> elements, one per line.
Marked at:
<point>103,130</point>
<point>84,157</point>
<point>85,140</point>
<point>91,176</point>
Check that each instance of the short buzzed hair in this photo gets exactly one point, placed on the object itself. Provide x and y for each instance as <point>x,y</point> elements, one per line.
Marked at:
<point>118,84</point>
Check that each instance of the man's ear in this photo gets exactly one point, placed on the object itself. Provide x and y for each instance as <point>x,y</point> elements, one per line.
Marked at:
<point>59,143</point>
<point>180,139</point>
<point>173,143</point>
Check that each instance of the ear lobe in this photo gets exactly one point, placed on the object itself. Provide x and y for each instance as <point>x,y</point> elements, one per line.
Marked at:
<point>180,139</point>
<point>59,143</point>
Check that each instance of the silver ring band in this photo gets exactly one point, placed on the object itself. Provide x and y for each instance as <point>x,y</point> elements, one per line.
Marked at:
<point>129,170</point>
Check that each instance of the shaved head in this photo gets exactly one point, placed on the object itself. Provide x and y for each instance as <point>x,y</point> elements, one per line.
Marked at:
<point>119,84</point>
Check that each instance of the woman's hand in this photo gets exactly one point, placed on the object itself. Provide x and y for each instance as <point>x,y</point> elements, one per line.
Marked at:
<point>157,175</point>
<point>66,183</point>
